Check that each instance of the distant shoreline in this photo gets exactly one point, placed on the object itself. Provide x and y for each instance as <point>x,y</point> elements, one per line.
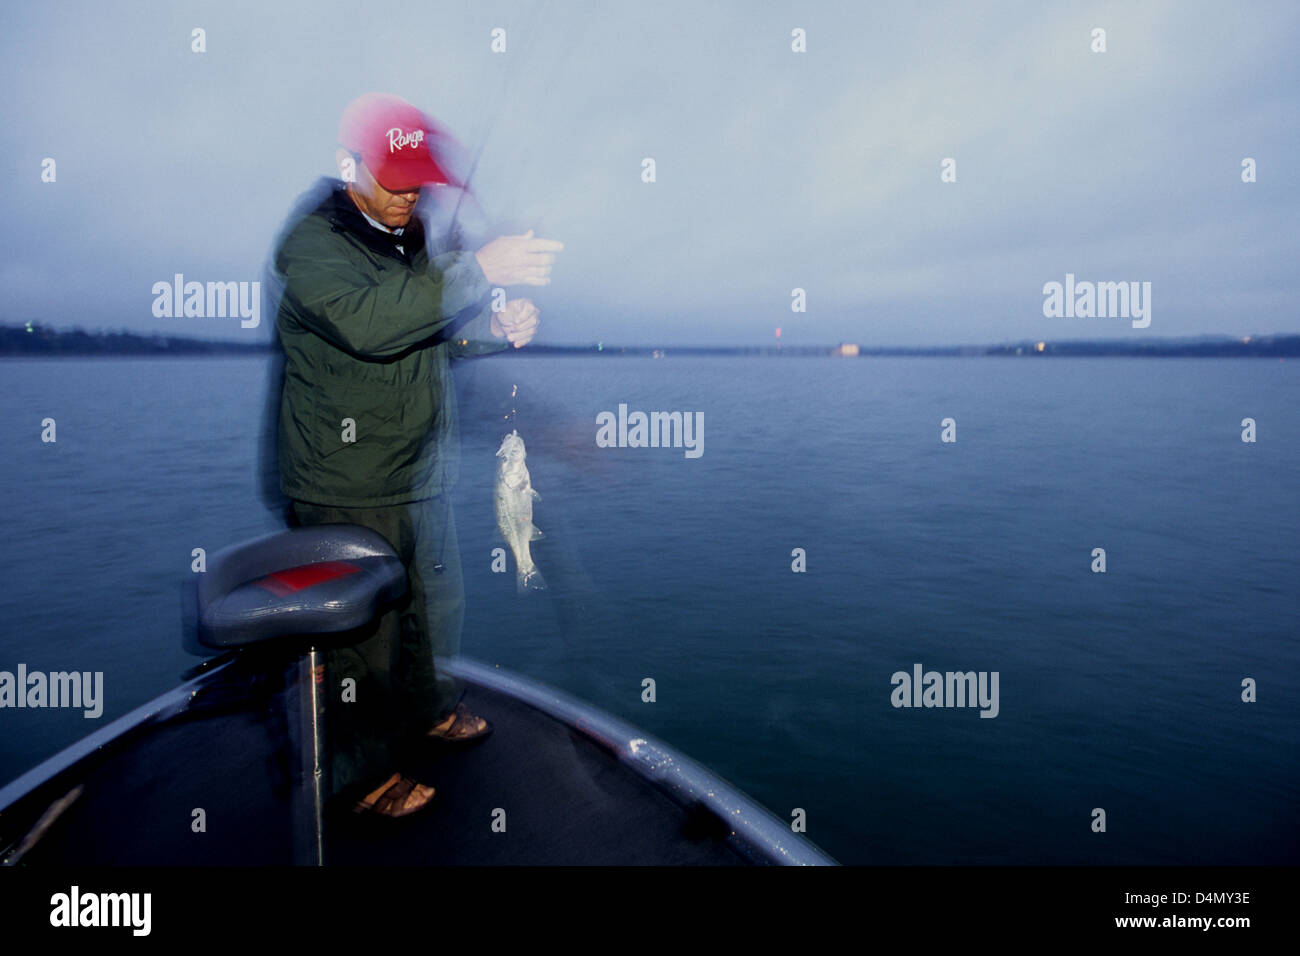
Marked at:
<point>41,341</point>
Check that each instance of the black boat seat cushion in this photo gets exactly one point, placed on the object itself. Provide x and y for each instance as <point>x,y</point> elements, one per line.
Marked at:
<point>322,579</point>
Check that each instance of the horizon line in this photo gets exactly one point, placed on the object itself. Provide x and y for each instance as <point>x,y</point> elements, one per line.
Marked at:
<point>1040,346</point>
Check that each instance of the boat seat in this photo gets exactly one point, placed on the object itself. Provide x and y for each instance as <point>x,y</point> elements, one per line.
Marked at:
<point>322,579</point>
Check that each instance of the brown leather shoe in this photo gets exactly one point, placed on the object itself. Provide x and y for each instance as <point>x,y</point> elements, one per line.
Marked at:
<point>460,726</point>
<point>399,796</point>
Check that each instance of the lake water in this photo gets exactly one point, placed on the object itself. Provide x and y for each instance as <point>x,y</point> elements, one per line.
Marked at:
<point>1120,691</point>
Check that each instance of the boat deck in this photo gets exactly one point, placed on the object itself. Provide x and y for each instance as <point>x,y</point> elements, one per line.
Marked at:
<point>568,799</point>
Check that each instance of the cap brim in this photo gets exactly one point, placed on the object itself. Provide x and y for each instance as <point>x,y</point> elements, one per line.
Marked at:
<point>406,173</point>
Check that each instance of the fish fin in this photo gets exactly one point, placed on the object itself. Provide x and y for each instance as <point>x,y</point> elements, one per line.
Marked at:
<point>535,494</point>
<point>532,581</point>
<point>536,534</point>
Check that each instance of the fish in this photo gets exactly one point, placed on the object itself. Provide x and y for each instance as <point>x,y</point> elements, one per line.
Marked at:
<point>514,496</point>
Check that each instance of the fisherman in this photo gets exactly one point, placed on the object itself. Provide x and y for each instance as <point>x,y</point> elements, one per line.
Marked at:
<point>367,426</point>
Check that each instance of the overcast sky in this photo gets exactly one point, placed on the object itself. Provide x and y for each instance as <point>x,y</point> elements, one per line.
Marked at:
<point>776,170</point>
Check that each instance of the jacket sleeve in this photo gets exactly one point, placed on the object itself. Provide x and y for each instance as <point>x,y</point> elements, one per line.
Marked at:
<point>475,337</point>
<point>371,317</point>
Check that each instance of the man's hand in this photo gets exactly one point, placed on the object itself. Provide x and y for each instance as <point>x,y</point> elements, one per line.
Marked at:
<point>518,322</point>
<point>518,260</point>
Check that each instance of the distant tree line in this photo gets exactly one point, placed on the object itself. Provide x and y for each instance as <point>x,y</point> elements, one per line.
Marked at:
<point>36,339</point>
<point>33,339</point>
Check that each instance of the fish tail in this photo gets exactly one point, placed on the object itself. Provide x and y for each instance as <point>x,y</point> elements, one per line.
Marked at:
<point>529,581</point>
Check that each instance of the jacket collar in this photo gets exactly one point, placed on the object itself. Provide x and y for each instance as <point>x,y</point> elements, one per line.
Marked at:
<point>344,216</point>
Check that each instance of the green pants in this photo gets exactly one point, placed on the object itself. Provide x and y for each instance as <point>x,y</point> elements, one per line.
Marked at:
<point>398,693</point>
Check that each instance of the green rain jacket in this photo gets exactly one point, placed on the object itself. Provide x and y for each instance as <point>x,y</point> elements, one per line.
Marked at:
<point>369,334</point>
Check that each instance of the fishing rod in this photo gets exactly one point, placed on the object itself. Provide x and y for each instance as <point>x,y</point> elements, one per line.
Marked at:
<point>506,82</point>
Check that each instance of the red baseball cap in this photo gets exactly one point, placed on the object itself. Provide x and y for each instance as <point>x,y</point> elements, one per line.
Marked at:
<point>399,144</point>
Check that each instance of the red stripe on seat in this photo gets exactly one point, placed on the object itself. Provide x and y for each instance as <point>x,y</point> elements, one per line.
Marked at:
<point>283,583</point>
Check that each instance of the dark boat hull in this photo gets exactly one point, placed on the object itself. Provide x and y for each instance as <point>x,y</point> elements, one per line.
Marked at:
<point>571,784</point>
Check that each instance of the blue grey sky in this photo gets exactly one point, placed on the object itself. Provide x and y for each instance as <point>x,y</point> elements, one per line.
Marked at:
<point>776,170</point>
